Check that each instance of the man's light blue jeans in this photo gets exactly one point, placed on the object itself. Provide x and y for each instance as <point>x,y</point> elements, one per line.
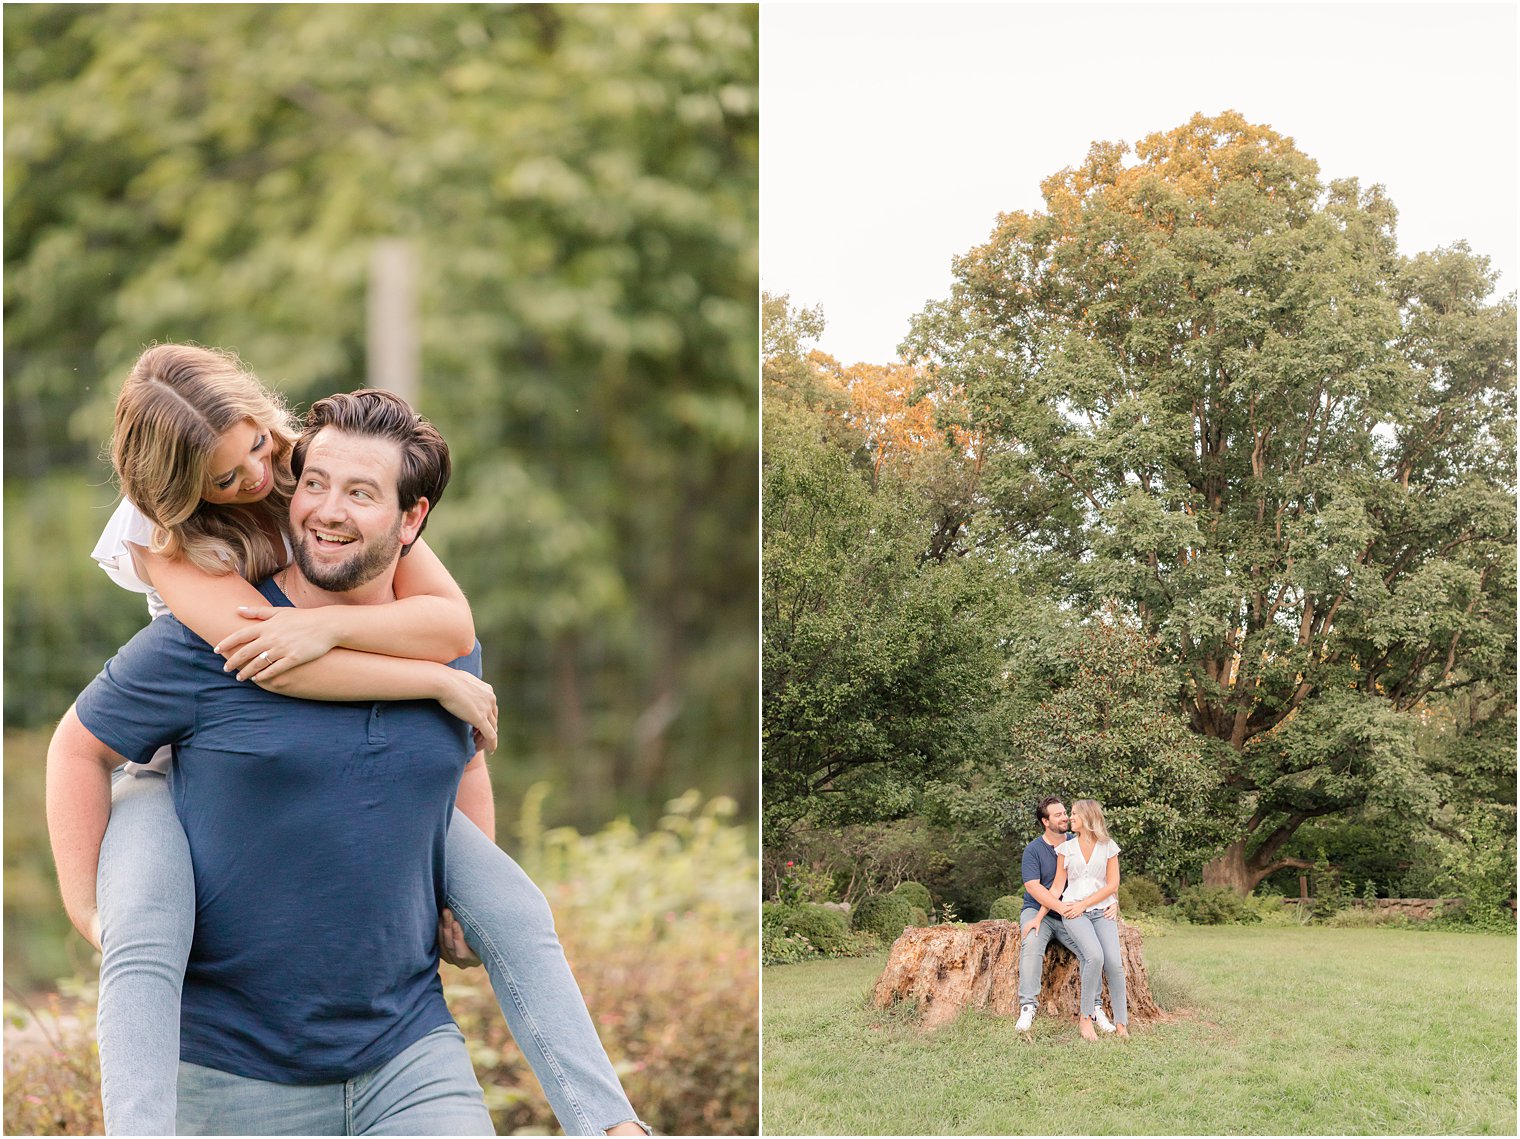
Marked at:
<point>146,895</point>
<point>429,1089</point>
<point>1032,953</point>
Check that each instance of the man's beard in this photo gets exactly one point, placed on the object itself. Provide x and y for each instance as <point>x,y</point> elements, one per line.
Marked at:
<point>362,567</point>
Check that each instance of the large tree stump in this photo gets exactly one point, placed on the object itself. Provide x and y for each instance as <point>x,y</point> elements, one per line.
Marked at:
<point>947,968</point>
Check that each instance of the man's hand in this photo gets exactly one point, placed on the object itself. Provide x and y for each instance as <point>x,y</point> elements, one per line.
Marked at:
<point>1030,928</point>
<point>1112,912</point>
<point>452,946</point>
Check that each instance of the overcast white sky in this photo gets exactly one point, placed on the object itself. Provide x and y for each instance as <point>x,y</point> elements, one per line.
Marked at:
<point>893,134</point>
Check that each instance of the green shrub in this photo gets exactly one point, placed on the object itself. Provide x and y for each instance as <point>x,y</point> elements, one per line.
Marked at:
<point>860,943</point>
<point>918,917</point>
<point>799,884</point>
<point>1331,895</point>
<point>1274,909</point>
<point>1139,895</point>
<point>885,915</point>
<point>1214,905</point>
<point>1360,917</point>
<point>777,947</point>
<point>916,893</point>
<point>772,915</point>
<point>1007,908</point>
<point>1484,870</point>
<point>824,928</point>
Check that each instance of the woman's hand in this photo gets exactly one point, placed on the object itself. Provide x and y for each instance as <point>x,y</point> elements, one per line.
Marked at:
<point>276,639</point>
<point>474,702</point>
<point>452,946</point>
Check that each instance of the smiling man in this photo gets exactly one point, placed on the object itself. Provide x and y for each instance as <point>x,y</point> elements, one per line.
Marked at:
<point>311,1003</point>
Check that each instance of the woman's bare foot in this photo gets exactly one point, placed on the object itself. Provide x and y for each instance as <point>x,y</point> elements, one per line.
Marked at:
<point>1122,1030</point>
<point>1088,1031</point>
<point>629,1128</point>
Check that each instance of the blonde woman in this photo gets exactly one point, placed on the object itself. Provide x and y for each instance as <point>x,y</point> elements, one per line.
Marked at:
<point>1087,881</point>
<point>202,451</point>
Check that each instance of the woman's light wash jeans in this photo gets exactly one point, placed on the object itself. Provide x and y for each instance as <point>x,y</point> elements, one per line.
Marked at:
<point>146,896</point>
<point>1100,957</point>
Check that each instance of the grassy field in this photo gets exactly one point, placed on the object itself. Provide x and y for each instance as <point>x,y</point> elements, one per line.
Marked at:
<point>1285,1031</point>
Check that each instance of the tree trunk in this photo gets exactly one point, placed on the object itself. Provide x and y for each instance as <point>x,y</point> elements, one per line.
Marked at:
<point>1230,869</point>
<point>947,968</point>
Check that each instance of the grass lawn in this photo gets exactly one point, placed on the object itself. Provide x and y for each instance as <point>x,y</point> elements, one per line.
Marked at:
<point>1288,1031</point>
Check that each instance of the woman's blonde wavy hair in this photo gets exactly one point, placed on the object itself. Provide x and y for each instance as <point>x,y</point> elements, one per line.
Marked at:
<point>176,403</point>
<point>1091,814</point>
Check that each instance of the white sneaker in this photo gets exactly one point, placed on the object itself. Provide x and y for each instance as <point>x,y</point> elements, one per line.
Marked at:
<point>1100,1018</point>
<point>1026,1018</point>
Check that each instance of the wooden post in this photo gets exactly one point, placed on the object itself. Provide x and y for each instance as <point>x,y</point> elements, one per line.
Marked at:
<point>393,344</point>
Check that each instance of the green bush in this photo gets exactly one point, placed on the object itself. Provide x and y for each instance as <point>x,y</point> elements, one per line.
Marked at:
<point>885,915</point>
<point>798,884</point>
<point>777,947</point>
<point>824,928</point>
<point>772,915</point>
<point>1331,895</point>
<point>916,893</point>
<point>1007,907</point>
<point>1360,917</point>
<point>860,943</point>
<point>1214,905</point>
<point>1139,895</point>
<point>1274,909</point>
<point>1484,870</point>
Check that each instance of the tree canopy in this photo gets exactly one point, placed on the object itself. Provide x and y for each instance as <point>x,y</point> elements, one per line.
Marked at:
<point>1214,391</point>
<point>879,660</point>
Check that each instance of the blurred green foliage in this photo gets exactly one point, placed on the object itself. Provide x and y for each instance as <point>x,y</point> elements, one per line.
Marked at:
<point>580,184</point>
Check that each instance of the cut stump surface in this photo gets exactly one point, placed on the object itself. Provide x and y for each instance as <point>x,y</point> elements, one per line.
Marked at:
<point>946,968</point>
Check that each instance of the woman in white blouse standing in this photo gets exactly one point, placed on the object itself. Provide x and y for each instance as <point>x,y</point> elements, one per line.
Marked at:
<point>1087,879</point>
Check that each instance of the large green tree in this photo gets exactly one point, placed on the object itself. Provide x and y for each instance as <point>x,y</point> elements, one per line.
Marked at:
<point>881,663</point>
<point>1213,389</point>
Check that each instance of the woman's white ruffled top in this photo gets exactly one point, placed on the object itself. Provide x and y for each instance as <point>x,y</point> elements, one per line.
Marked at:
<point>1084,876</point>
<point>128,524</point>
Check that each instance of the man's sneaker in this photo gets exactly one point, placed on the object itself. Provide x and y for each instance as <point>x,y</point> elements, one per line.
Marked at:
<point>1100,1018</point>
<point>1026,1018</point>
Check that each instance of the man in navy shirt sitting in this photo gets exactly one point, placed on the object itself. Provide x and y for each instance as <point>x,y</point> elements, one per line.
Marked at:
<point>1039,872</point>
<point>311,1003</point>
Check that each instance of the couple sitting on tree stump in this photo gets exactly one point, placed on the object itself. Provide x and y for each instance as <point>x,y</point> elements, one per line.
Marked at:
<point>1071,893</point>
<point>1071,884</point>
